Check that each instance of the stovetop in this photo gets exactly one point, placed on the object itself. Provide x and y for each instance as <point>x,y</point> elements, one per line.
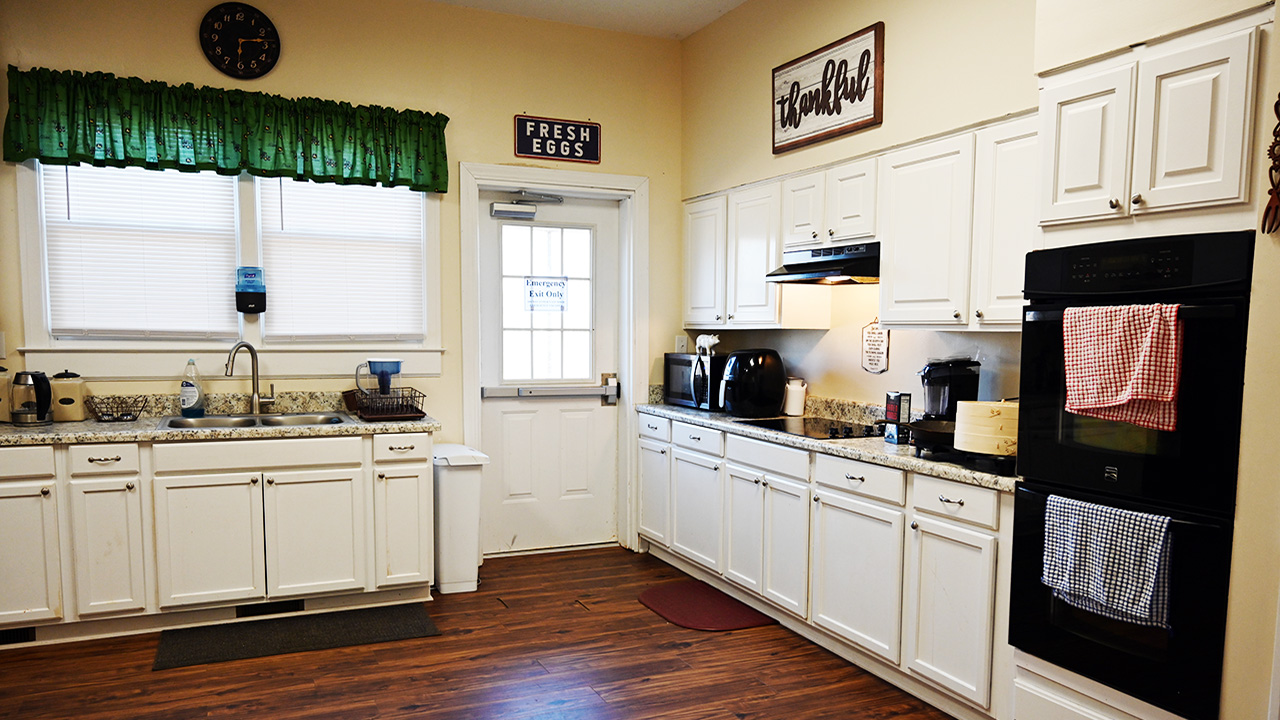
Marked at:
<point>815,427</point>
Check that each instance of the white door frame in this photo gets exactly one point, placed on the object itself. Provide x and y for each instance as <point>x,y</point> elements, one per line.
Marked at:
<point>632,194</point>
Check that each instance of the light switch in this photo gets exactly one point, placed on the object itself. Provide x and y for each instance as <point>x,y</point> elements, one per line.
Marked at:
<point>682,343</point>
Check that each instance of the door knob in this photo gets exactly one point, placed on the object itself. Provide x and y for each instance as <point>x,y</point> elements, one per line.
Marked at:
<point>1113,203</point>
<point>1136,199</point>
<point>978,313</point>
<point>815,234</point>
<point>956,314</point>
<point>915,525</point>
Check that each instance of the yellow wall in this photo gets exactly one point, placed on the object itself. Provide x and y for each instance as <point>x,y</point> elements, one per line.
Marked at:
<point>479,68</point>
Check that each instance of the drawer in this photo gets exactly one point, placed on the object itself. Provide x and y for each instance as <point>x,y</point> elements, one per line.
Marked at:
<point>26,462</point>
<point>115,458</point>
<point>969,503</point>
<point>255,455</point>
<point>655,428</point>
<point>776,459</point>
<point>861,478</point>
<point>402,447</point>
<point>698,438</point>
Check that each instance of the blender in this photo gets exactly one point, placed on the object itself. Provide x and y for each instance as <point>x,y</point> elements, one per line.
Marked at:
<point>946,383</point>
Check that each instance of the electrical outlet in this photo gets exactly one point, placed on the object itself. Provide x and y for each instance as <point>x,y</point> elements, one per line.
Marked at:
<point>682,343</point>
<point>2,350</point>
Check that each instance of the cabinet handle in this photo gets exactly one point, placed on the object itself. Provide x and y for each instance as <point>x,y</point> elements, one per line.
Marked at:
<point>730,316</point>
<point>851,476</point>
<point>765,483</point>
<point>129,486</point>
<point>817,499</point>
<point>915,525</point>
<point>716,468</point>
<point>831,233</point>
<point>253,480</point>
<point>663,451</point>
<point>757,480</point>
<point>44,491</point>
<point>651,427</point>
<point>695,438</point>
<point>271,481</point>
<point>382,476</point>
<point>978,313</point>
<point>105,459</point>
<point>1136,199</point>
<point>719,318</point>
<point>956,314</point>
<point>400,448</point>
<point>946,499</point>
<point>1113,203</point>
<point>815,234</point>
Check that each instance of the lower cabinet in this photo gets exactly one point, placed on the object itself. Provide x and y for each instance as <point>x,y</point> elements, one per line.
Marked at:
<point>30,563</point>
<point>655,491</point>
<point>106,528</point>
<point>314,528</point>
<point>696,506</point>
<point>786,544</point>
<point>403,510</point>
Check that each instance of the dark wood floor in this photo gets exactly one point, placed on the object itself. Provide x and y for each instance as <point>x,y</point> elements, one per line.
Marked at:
<point>547,636</point>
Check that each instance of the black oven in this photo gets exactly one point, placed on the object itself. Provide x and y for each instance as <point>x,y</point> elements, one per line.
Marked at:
<point>1187,474</point>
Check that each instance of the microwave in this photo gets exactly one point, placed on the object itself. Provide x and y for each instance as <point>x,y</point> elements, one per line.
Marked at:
<point>693,380</point>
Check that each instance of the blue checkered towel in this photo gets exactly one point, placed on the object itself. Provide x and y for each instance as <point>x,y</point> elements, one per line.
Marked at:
<point>1108,561</point>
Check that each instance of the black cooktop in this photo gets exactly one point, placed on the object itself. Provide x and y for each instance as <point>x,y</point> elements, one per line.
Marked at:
<point>815,427</point>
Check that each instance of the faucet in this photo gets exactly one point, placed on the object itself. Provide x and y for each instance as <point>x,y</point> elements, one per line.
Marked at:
<point>256,401</point>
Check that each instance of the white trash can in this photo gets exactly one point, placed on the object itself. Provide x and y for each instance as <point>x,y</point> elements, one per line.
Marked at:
<point>458,470</point>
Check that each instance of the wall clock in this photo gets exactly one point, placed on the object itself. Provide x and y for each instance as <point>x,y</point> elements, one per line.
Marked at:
<point>239,40</point>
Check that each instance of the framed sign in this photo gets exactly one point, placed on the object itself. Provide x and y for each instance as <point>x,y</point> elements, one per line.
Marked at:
<point>831,91</point>
<point>551,139</point>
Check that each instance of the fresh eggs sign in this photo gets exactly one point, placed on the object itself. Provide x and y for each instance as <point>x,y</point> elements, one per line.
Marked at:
<point>831,91</point>
<point>538,137</point>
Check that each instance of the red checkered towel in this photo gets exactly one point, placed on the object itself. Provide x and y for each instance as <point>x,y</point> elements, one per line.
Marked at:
<point>1123,363</point>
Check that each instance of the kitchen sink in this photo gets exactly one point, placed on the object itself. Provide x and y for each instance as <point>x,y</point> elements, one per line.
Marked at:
<point>244,421</point>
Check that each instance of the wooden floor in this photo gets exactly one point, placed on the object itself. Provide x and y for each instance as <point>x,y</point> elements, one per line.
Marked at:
<point>547,636</point>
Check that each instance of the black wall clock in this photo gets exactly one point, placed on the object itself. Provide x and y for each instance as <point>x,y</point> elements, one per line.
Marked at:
<point>239,40</point>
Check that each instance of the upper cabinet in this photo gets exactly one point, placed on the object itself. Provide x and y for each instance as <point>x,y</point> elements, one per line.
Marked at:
<point>830,206</point>
<point>705,255</point>
<point>1166,128</point>
<point>1005,195</point>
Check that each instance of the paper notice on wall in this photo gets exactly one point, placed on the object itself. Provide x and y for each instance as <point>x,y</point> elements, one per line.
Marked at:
<point>875,348</point>
<point>544,293</point>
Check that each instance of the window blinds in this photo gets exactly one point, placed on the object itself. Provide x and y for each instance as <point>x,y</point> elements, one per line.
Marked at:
<point>133,253</point>
<point>342,262</point>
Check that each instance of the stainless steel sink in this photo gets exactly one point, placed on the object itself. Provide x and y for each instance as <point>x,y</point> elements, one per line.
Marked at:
<point>325,418</point>
<point>209,421</point>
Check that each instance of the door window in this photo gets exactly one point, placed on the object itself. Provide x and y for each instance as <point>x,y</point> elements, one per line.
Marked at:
<point>547,319</point>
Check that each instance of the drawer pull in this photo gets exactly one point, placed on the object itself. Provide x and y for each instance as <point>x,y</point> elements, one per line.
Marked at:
<point>651,427</point>
<point>695,438</point>
<point>104,459</point>
<point>44,492</point>
<point>851,476</point>
<point>400,448</point>
<point>948,500</point>
<point>129,486</point>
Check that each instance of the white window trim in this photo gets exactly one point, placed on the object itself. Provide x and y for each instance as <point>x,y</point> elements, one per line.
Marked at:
<point>164,360</point>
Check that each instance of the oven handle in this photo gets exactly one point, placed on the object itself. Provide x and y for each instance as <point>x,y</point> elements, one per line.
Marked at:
<point>1185,312</point>
<point>1043,492</point>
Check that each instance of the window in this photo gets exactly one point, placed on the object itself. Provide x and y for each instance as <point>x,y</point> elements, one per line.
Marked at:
<point>144,261</point>
<point>546,303</point>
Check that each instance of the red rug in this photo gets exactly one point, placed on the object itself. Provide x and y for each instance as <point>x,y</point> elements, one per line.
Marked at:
<point>698,606</point>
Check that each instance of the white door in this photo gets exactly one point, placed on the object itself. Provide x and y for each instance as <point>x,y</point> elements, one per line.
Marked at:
<point>403,540</point>
<point>1005,215</point>
<point>549,313</point>
<point>106,533</point>
<point>706,251</point>
<point>786,544</point>
<point>314,525</point>
<point>744,526</point>
<point>697,506</point>
<point>655,491</point>
<point>30,571</point>
<point>754,250</point>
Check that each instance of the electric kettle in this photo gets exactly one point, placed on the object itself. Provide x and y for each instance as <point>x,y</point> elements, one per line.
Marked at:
<point>32,398</point>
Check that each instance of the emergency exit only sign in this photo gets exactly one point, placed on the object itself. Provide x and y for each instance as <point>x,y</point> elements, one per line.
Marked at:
<point>550,139</point>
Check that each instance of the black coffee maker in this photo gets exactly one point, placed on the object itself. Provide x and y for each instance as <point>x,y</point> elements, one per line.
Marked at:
<point>946,383</point>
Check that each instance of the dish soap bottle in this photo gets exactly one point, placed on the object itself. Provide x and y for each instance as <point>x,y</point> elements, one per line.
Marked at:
<point>191,397</point>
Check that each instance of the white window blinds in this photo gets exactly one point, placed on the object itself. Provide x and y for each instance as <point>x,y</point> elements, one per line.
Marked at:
<point>342,262</point>
<point>134,253</point>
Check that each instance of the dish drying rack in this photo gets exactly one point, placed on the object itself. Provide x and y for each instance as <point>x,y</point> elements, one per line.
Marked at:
<point>116,408</point>
<point>400,403</point>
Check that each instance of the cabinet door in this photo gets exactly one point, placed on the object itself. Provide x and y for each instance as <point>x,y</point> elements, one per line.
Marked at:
<point>31,588</point>
<point>851,201</point>
<point>1085,126</point>
<point>106,533</point>
<point>926,208</point>
<point>857,572</point>
<point>754,250</point>
<point>1005,227</point>
<point>786,544</point>
<point>950,605</point>
<point>696,507</point>
<point>403,529</point>
<point>705,253</point>
<point>1192,125</point>
<point>744,526</point>
<point>209,538</point>
<point>314,531</point>
<point>804,211</point>
<point>655,491</point>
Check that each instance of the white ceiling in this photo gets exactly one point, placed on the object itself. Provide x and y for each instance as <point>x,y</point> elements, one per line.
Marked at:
<point>676,19</point>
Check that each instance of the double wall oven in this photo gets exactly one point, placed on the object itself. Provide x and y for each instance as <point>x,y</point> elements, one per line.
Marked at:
<point>1187,475</point>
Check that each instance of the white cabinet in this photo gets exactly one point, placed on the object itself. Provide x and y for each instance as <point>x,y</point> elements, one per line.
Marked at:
<point>856,574</point>
<point>403,510</point>
<point>705,256</point>
<point>786,545</point>
<point>1005,228</point>
<point>754,250</point>
<point>744,526</point>
<point>1167,129</point>
<point>106,529</point>
<point>950,587</point>
<point>258,526</point>
<point>696,506</point>
<point>30,564</point>
<point>655,491</point>
<point>926,205</point>
<point>830,206</point>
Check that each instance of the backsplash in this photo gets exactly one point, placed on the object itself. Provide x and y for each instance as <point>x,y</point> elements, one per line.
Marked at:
<point>238,403</point>
<point>850,411</point>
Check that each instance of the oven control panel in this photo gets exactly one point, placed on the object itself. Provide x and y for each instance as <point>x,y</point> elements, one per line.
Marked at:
<point>1159,267</point>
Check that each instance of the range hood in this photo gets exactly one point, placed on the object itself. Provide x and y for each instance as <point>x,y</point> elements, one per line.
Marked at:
<point>857,263</point>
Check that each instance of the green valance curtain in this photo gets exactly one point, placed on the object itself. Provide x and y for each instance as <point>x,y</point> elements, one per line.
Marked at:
<point>67,117</point>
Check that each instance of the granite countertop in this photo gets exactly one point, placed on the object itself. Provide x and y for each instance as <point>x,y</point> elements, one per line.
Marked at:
<point>147,429</point>
<point>872,450</point>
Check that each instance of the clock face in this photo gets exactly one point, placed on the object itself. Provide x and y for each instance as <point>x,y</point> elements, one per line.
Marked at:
<point>239,40</point>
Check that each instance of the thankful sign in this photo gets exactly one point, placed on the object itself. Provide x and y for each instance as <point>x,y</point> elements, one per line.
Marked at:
<point>831,91</point>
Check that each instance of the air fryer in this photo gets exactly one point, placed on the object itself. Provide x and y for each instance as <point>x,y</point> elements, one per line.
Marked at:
<point>754,383</point>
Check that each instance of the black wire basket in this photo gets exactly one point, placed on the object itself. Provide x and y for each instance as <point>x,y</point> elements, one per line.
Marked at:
<point>116,408</point>
<point>401,403</point>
